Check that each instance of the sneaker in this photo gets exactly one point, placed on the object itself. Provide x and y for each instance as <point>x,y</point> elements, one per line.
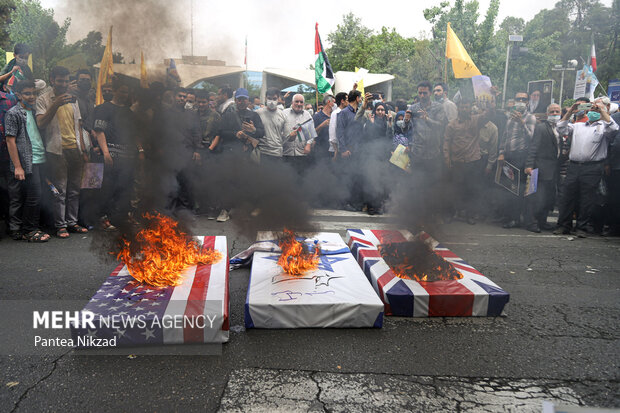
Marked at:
<point>533,228</point>
<point>223,216</point>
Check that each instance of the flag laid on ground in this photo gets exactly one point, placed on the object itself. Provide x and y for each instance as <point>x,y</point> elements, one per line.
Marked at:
<point>593,58</point>
<point>462,65</point>
<point>144,83</point>
<point>147,315</point>
<point>323,74</point>
<point>106,69</point>
<point>472,295</point>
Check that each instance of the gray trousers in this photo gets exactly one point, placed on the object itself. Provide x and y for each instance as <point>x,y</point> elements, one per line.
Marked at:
<point>65,172</point>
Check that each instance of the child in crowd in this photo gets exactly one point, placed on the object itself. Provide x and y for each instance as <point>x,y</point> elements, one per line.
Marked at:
<point>27,154</point>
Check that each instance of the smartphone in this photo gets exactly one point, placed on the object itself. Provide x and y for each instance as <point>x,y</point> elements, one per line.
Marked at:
<point>584,106</point>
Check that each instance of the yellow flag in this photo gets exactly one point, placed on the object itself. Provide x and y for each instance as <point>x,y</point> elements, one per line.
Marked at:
<point>106,69</point>
<point>144,83</point>
<point>462,64</point>
<point>359,79</point>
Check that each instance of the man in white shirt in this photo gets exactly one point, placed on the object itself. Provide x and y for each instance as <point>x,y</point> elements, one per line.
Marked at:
<point>274,121</point>
<point>300,135</point>
<point>588,151</point>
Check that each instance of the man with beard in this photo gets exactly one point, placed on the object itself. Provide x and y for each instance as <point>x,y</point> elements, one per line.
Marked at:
<point>340,103</point>
<point>543,154</point>
<point>58,115</point>
<point>300,135</point>
<point>322,121</point>
<point>440,92</point>
<point>113,123</point>
<point>429,120</point>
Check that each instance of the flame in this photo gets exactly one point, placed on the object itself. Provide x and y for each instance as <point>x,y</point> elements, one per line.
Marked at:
<point>162,251</point>
<point>415,261</point>
<point>295,259</point>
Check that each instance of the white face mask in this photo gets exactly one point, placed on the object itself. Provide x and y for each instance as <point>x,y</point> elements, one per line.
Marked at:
<point>400,123</point>
<point>272,104</point>
<point>553,118</point>
<point>189,106</point>
<point>311,111</point>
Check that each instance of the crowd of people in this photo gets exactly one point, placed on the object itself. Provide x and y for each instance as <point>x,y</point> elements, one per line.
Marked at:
<point>50,132</point>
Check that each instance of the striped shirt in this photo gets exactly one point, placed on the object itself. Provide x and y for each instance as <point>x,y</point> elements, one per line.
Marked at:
<point>517,135</point>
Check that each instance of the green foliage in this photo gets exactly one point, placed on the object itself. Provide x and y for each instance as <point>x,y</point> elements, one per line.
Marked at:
<point>35,26</point>
<point>92,47</point>
<point>6,8</point>
<point>553,37</point>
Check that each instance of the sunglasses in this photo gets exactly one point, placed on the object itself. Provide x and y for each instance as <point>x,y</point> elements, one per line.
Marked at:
<point>521,99</point>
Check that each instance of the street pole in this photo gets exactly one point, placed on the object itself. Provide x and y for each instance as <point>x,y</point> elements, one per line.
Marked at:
<point>505,76</point>
<point>191,8</point>
<point>571,66</point>
<point>561,87</point>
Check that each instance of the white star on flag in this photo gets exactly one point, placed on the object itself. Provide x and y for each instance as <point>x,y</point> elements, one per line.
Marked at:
<point>91,333</point>
<point>124,291</point>
<point>120,333</point>
<point>108,295</point>
<point>123,313</point>
<point>103,305</point>
<point>148,334</point>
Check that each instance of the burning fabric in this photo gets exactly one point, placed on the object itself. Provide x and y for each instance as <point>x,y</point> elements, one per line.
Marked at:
<point>296,258</point>
<point>414,260</point>
<point>195,311</point>
<point>161,252</point>
<point>298,287</point>
<point>415,276</point>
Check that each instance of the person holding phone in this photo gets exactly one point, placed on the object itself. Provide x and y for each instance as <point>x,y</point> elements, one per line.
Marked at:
<point>58,116</point>
<point>588,152</point>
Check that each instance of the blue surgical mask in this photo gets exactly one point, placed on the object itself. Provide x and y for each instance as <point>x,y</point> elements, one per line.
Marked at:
<point>553,118</point>
<point>593,116</point>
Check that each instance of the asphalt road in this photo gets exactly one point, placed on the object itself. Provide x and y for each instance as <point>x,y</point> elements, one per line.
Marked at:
<point>558,341</point>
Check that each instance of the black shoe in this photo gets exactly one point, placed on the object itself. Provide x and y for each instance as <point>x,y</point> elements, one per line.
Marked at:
<point>561,231</point>
<point>547,226</point>
<point>581,233</point>
<point>371,211</point>
<point>510,224</point>
<point>534,228</point>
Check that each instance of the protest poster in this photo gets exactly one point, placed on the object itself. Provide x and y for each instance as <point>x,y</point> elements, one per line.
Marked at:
<point>400,158</point>
<point>482,88</point>
<point>92,177</point>
<point>531,183</point>
<point>540,92</point>
<point>613,90</point>
<point>508,176</point>
<point>585,83</point>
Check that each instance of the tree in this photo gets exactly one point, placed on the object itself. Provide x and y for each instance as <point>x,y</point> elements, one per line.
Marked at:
<point>6,8</point>
<point>35,26</point>
<point>348,44</point>
<point>92,47</point>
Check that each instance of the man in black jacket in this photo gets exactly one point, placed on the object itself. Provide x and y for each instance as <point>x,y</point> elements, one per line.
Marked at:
<point>242,129</point>
<point>543,154</point>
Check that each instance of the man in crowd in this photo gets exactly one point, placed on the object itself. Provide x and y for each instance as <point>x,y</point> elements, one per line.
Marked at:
<point>429,120</point>
<point>58,115</point>
<point>321,124</point>
<point>274,122</point>
<point>349,130</point>
<point>85,97</point>
<point>224,99</point>
<point>440,92</point>
<point>462,156</point>
<point>27,154</point>
<point>613,181</point>
<point>543,154</point>
<point>7,101</point>
<point>513,149</point>
<point>209,123</point>
<point>300,135</point>
<point>113,123</point>
<point>588,151</point>
<point>242,129</point>
<point>340,103</point>
<point>21,52</point>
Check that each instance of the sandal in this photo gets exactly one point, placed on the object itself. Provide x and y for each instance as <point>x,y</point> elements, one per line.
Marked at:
<point>77,228</point>
<point>37,236</point>
<point>62,233</point>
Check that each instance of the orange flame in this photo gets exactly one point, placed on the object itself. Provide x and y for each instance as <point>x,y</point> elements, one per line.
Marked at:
<point>163,252</point>
<point>295,259</point>
<point>415,261</point>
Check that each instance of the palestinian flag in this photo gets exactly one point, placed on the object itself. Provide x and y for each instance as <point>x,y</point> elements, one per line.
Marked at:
<point>323,74</point>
